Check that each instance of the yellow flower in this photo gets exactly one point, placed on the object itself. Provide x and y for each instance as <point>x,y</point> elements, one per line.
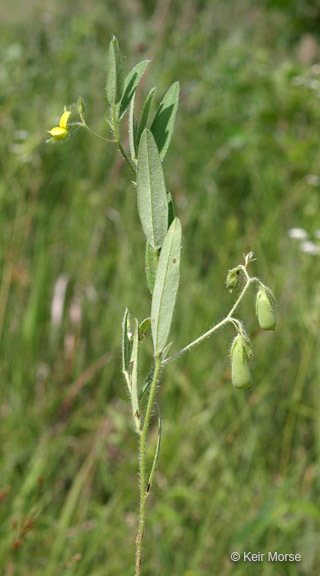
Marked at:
<point>60,132</point>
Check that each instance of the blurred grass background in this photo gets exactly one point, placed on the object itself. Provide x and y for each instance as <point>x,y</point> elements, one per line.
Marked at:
<point>238,471</point>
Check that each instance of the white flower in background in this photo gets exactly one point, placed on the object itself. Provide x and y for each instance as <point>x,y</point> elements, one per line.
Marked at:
<point>310,247</point>
<point>307,245</point>
<point>313,180</point>
<point>298,234</point>
<point>298,81</point>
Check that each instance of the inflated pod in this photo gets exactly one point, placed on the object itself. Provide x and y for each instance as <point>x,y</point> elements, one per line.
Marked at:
<point>241,375</point>
<point>264,310</point>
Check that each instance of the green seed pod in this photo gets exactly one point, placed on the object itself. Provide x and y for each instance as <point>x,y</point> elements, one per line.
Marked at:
<point>264,310</point>
<point>232,280</point>
<point>240,352</point>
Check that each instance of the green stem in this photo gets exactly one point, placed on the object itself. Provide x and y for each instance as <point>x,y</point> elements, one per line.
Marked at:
<point>84,125</point>
<point>116,134</point>
<point>226,320</point>
<point>157,453</point>
<point>142,465</point>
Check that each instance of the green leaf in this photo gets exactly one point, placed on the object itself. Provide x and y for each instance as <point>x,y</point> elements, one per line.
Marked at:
<point>170,209</point>
<point>165,351</point>
<point>151,265</point>
<point>126,346</point>
<point>144,327</point>
<point>151,191</point>
<point>166,287</point>
<point>134,376</point>
<point>115,81</point>
<point>164,120</point>
<point>145,112</point>
<point>131,83</point>
<point>146,383</point>
<point>132,131</point>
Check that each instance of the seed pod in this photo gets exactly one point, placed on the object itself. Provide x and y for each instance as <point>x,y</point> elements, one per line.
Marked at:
<point>240,352</point>
<point>232,280</point>
<point>264,310</point>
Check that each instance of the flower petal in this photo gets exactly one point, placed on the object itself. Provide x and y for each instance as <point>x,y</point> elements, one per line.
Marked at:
<point>59,133</point>
<point>64,119</point>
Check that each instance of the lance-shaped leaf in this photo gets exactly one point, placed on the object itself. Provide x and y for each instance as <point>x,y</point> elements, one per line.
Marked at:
<point>131,83</point>
<point>145,112</point>
<point>152,256</point>
<point>144,327</point>
<point>126,347</point>
<point>115,81</point>
<point>166,286</point>
<point>147,383</point>
<point>132,131</point>
<point>151,265</point>
<point>151,191</point>
<point>134,376</point>
<point>165,351</point>
<point>163,124</point>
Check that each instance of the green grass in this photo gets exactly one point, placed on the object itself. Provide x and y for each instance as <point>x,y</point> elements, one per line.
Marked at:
<point>238,471</point>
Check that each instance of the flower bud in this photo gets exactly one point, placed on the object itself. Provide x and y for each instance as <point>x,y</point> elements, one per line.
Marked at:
<point>232,280</point>
<point>81,107</point>
<point>264,310</point>
<point>240,352</point>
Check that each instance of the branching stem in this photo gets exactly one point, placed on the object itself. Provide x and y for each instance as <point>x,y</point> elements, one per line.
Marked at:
<point>83,124</point>
<point>228,319</point>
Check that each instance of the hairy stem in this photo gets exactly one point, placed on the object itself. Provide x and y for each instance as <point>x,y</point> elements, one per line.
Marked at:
<point>157,453</point>
<point>83,124</point>
<point>142,465</point>
<point>97,135</point>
